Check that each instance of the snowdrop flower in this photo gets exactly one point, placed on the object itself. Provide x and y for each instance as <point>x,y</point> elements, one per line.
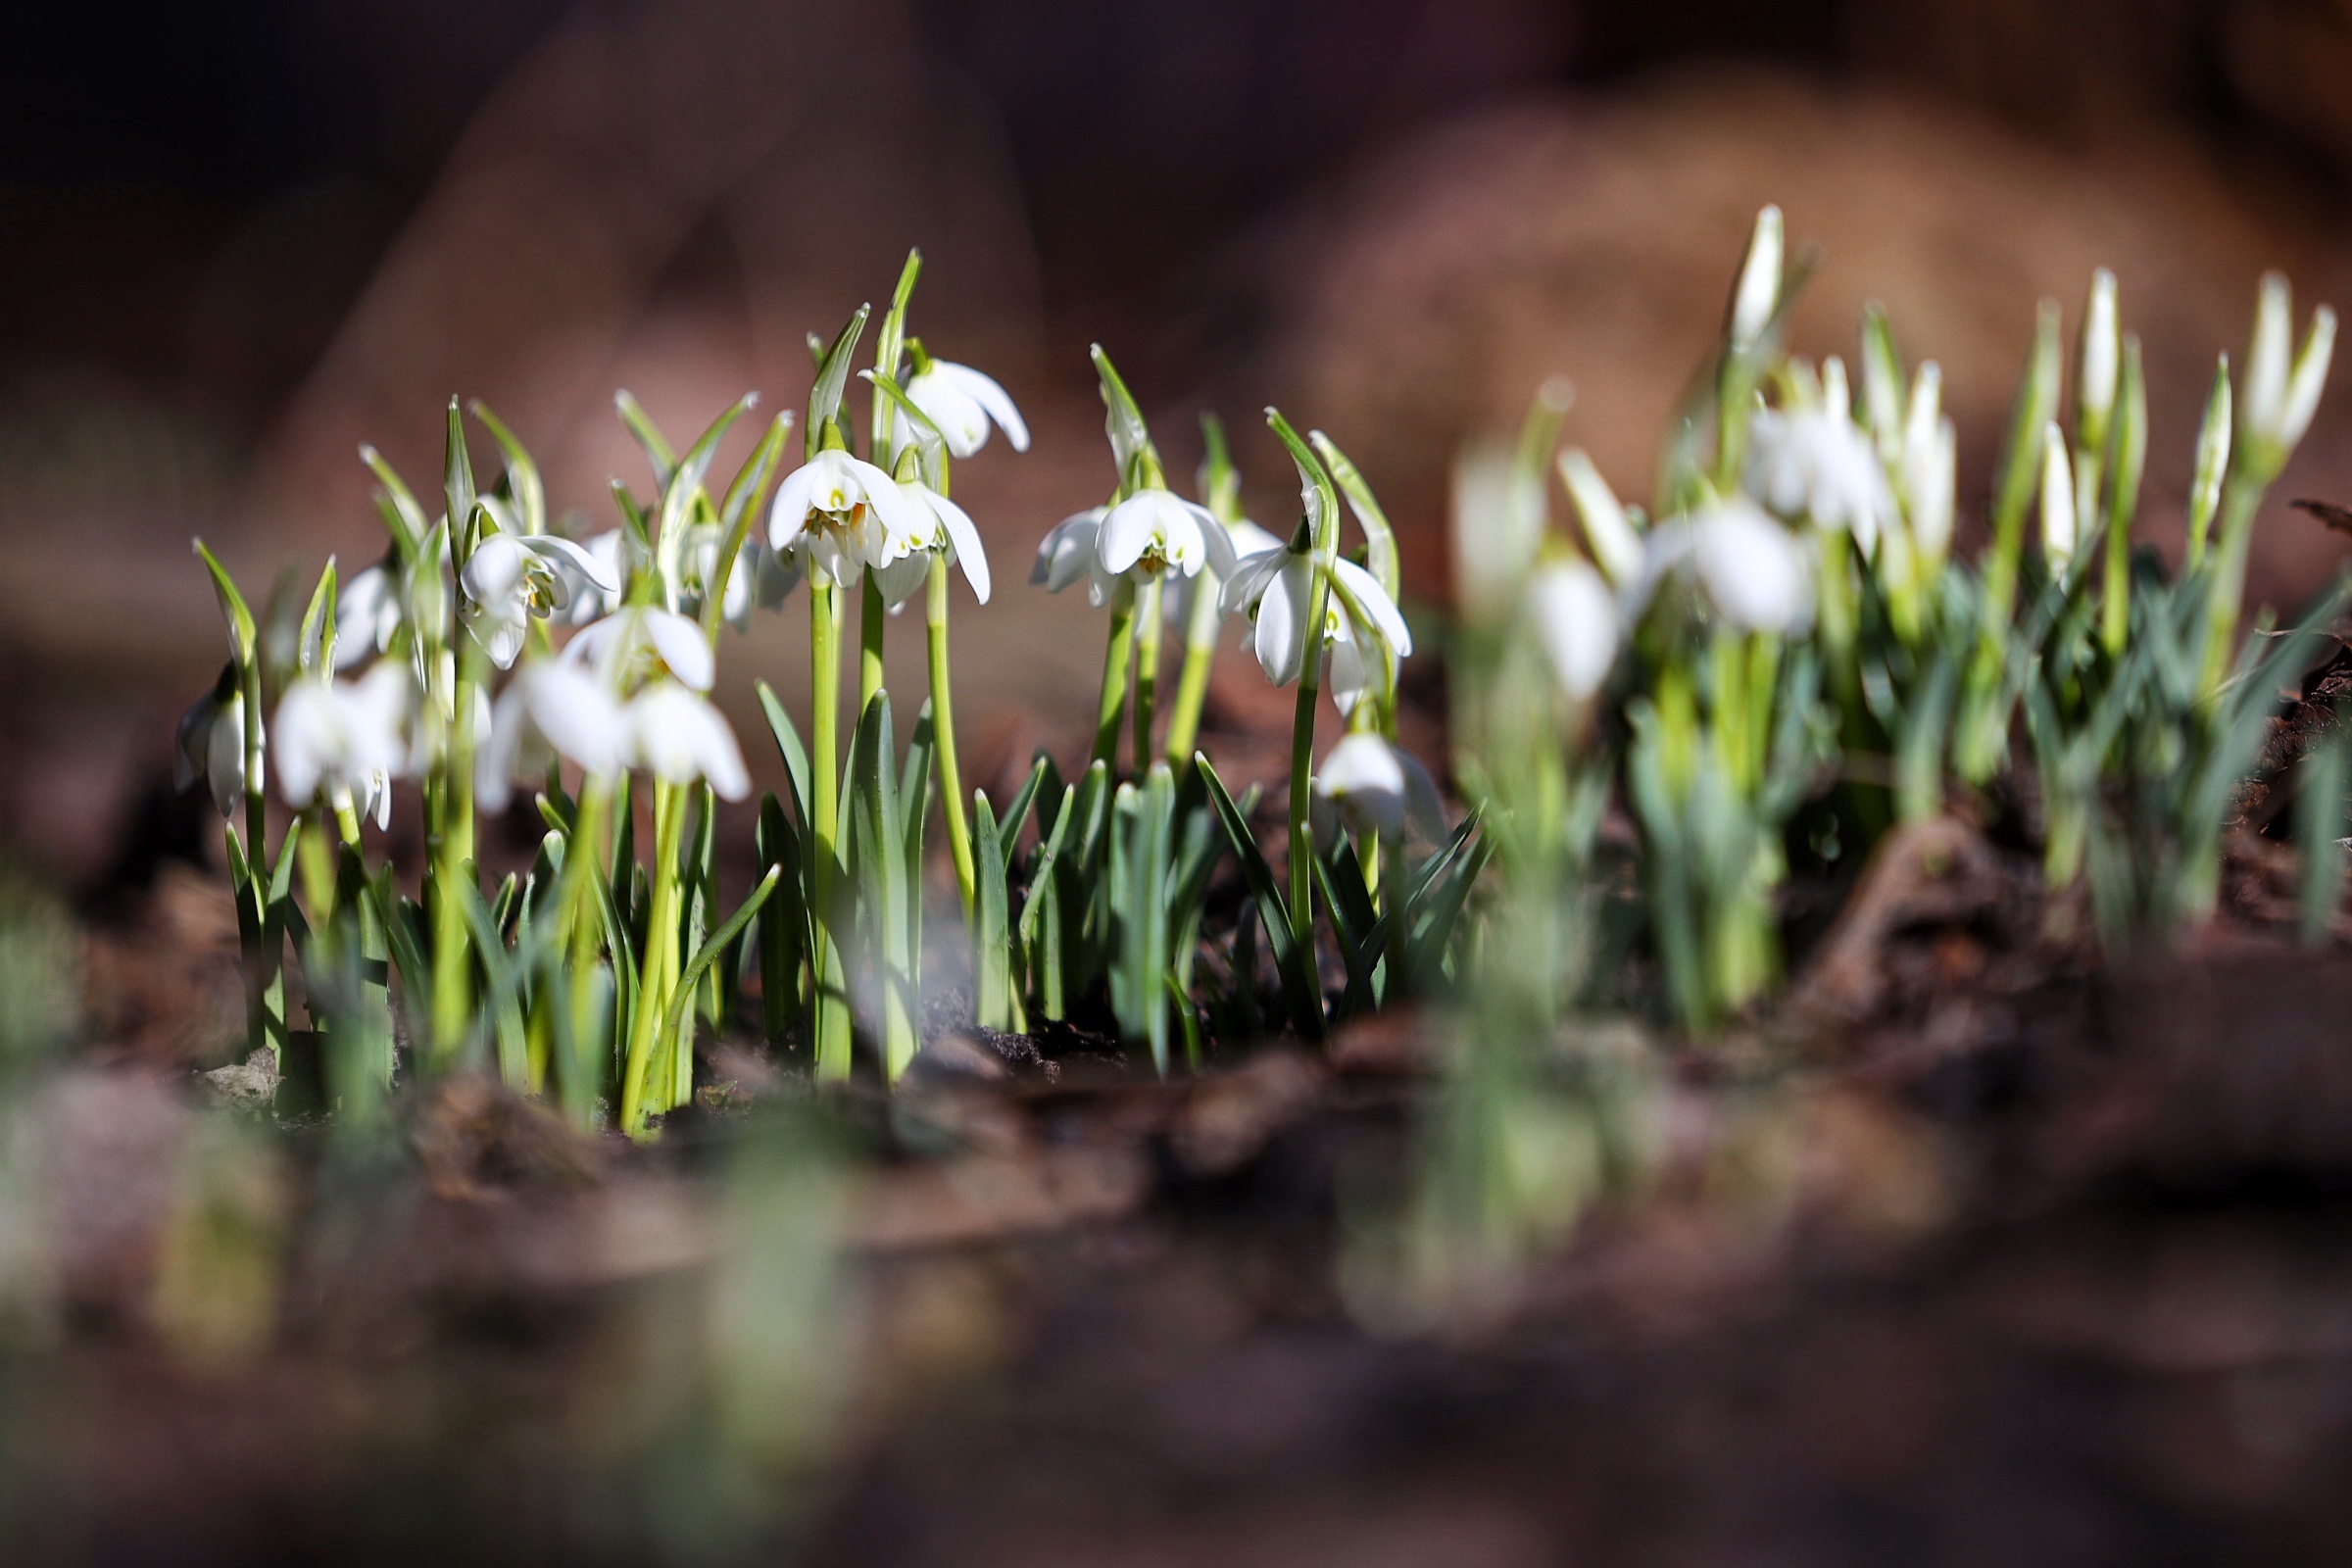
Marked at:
<point>552,709</point>
<point>1928,466</point>
<point>512,578</point>
<point>1759,288</point>
<point>678,737</point>
<point>1748,565</point>
<point>367,611</point>
<point>1156,531</point>
<point>1368,786</point>
<point>1362,629</point>
<point>595,602</point>
<point>960,402</point>
<point>2280,396</point>
<point>1248,539</point>
<point>907,557</point>
<point>211,744</point>
<point>832,514</point>
<point>1067,555</point>
<point>338,736</point>
<point>643,642</point>
<point>2057,499</point>
<point>1576,623</point>
<point>1818,464</point>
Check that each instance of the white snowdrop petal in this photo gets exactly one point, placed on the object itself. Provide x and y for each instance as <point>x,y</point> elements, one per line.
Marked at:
<point>1576,622</point>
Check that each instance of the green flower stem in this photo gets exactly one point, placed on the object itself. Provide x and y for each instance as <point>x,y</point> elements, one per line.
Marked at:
<point>2241,497</point>
<point>583,929</point>
<point>658,973</point>
<point>453,952</point>
<point>829,1014</point>
<point>1302,750</point>
<point>943,730</point>
<point>1147,666</point>
<point>874,623</point>
<point>1115,658</point>
<point>1192,686</point>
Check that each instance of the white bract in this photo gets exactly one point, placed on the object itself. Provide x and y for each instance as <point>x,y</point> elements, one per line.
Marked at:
<point>962,402</point>
<point>1749,569</point>
<point>333,736</point>
<point>678,737</point>
<point>552,709</point>
<point>509,578</point>
<point>1577,623</point>
<point>1816,462</point>
<point>642,643</point>
<point>1363,631</point>
<point>833,514</point>
<point>905,559</point>
<point>1067,555</point>
<point>212,747</point>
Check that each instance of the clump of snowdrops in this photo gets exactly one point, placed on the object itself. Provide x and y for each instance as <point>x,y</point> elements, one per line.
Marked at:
<point>1782,633</point>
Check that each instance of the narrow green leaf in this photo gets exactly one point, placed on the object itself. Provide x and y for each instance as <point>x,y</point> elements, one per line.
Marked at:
<point>690,978</point>
<point>522,481</point>
<point>405,519</point>
<point>315,645</point>
<point>457,471</point>
<point>1380,540</point>
<point>648,436</point>
<point>833,379</point>
<point>992,938</point>
<point>241,644</point>
<point>788,741</point>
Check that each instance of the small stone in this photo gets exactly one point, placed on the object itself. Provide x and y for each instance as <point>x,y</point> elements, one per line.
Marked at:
<point>249,1085</point>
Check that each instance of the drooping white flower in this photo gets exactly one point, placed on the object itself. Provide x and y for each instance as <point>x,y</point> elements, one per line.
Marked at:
<point>643,642</point>
<point>1929,468</point>
<point>678,737</point>
<point>1759,287</point>
<point>1368,786</point>
<point>2057,499</point>
<point>2099,367</point>
<point>332,736</point>
<point>1067,555</point>
<point>211,744</point>
<point>511,578</point>
<point>1157,531</point>
<point>594,603</point>
<point>832,514</point>
<point>1248,539</point>
<point>367,613</point>
<point>1818,464</point>
<point>962,402</point>
<point>1577,623</point>
<point>907,557</point>
<point>762,578</point>
<point>1363,632</point>
<point>2281,394</point>
<point>1751,569</point>
<point>551,708</point>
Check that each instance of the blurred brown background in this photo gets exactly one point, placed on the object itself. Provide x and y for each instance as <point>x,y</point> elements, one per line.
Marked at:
<point>243,237</point>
